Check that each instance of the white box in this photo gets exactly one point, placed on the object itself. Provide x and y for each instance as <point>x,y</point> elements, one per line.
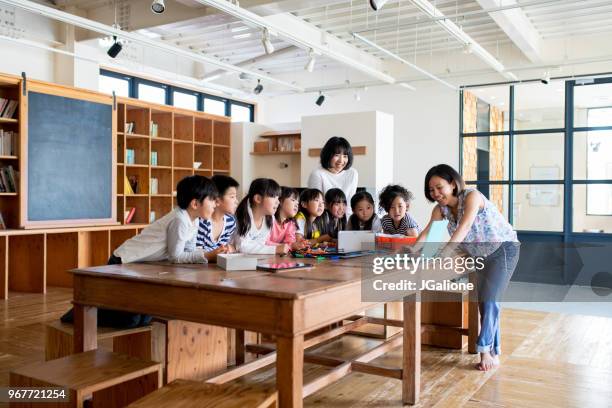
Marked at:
<point>237,262</point>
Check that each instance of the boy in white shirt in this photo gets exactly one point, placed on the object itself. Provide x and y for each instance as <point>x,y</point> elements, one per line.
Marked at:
<point>173,237</point>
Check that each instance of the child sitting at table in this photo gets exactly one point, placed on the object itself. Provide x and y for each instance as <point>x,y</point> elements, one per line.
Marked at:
<point>309,220</point>
<point>285,226</point>
<point>255,216</point>
<point>363,218</point>
<point>334,217</point>
<point>214,235</point>
<point>395,200</point>
<point>172,237</point>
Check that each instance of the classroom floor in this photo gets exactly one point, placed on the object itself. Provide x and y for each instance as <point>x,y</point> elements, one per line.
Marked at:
<point>549,360</point>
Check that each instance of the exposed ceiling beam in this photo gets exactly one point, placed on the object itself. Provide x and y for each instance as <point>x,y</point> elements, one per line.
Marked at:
<point>517,27</point>
<point>138,38</point>
<point>461,36</point>
<point>251,61</point>
<point>296,31</point>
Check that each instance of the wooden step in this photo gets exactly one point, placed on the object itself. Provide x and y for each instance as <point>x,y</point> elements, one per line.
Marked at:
<point>134,342</point>
<point>192,394</point>
<point>114,380</point>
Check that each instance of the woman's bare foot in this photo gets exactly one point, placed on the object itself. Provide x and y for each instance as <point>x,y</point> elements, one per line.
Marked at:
<point>487,361</point>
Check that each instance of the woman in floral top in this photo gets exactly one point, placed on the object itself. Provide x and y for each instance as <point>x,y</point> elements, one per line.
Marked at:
<point>482,231</point>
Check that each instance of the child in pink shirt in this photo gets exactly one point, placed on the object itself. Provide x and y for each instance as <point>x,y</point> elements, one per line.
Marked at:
<point>284,228</point>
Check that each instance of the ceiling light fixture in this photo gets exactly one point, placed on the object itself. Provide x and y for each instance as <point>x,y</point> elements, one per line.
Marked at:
<point>311,62</point>
<point>320,99</point>
<point>377,4</point>
<point>158,6</point>
<point>265,41</point>
<point>259,88</point>
<point>114,49</point>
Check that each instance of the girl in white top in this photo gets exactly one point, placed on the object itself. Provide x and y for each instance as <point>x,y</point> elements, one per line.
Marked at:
<point>336,169</point>
<point>255,216</point>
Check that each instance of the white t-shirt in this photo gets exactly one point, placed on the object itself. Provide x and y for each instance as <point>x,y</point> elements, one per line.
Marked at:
<point>172,237</point>
<point>323,179</point>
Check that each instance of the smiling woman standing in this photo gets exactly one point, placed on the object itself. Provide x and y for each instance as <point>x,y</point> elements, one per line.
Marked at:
<point>482,231</point>
<point>335,170</point>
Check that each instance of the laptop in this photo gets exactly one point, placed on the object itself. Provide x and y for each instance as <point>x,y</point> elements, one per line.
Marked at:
<point>435,239</point>
<point>355,241</point>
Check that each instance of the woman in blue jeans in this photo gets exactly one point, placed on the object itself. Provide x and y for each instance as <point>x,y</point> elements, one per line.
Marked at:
<point>482,231</point>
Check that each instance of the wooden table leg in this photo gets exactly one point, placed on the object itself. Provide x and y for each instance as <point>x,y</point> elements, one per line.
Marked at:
<point>289,371</point>
<point>85,328</point>
<point>411,367</point>
<point>473,318</point>
<point>240,350</point>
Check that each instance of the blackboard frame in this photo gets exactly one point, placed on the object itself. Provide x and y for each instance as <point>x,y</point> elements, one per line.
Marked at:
<point>76,94</point>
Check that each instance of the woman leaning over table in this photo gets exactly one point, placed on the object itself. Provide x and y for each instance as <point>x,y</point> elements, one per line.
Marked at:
<point>482,231</point>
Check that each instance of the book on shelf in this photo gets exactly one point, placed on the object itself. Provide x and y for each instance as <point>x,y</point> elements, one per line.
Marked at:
<point>8,180</point>
<point>127,187</point>
<point>154,129</point>
<point>129,127</point>
<point>2,224</point>
<point>129,214</point>
<point>8,142</point>
<point>8,108</point>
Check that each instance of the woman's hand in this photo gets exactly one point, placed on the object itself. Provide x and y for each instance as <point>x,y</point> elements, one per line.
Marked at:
<point>211,256</point>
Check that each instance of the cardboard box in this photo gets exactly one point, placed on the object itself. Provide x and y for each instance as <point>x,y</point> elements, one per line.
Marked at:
<point>237,262</point>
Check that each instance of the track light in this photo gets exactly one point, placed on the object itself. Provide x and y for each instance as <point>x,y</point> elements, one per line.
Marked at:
<point>311,62</point>
<point>158,6</point>
<point>545,78</point>
<point>377,4</point>
<point>115,49</point>
<point>258,88</point>
<point>320,99</point>
<point>265,41</point>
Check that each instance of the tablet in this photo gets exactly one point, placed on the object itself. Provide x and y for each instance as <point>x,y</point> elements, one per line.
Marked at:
<point>275,267</point>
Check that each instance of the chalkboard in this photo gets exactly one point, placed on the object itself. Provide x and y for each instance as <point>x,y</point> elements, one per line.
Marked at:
<point>70,159</point>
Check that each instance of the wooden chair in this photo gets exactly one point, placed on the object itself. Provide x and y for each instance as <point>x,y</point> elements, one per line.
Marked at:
<point>133,342</point>
<point>192,394</point>
<point>113,380</point>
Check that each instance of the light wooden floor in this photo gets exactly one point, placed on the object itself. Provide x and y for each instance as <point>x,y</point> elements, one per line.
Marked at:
<point>549,360</point>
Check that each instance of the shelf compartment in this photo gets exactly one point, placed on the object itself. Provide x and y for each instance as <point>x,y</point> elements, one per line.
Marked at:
<point>164,180</point>
<point>164,124</point>
<point>120,179</point>
<point>9,207</point>
<point>64,247</point>
<point>183,155</point>
<point>178,175</point>
<point>183,128</point>
<point>203,130</point>
<point>141,203</point>
<point>164,151</point>
<point>141,151</point>
<point>221,133</point>
<point>141,174</point>
<point>141,119</point>
<point>203,154</point>
<point>120,147</point>
<point>161,206</point>
<point>26,263</point>
<point>221,158</point>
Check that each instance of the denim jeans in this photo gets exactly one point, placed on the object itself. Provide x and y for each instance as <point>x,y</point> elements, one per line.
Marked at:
<point>492,282</point>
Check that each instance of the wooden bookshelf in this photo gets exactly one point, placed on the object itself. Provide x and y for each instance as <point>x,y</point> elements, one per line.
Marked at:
<point>177,138</point>
<point>275,143</point>
<point>183,140</point>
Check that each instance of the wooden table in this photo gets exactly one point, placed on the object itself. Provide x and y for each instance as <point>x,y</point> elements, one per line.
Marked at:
<point>288,305</point>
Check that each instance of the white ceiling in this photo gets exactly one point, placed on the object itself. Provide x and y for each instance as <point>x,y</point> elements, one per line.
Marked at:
<point>402,29</point>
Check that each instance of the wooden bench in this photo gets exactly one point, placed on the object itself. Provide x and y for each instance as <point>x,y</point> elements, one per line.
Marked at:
<point>192,394</point>
<point>113,380</point>
<point>133,342</point>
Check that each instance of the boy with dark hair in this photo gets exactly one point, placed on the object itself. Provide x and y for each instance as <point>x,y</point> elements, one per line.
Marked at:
<point>173,237</point>
<point>214,234</point>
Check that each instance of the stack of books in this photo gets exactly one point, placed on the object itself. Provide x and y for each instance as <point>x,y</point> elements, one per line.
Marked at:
<point>154,129</point>
<point>8,142</point>
<point>8,179</point>
<point>129,127</point>
<point>8,108</point>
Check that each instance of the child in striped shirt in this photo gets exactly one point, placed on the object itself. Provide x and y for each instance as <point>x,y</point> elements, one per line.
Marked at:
<point>395,200</point>
<point>214,235</point>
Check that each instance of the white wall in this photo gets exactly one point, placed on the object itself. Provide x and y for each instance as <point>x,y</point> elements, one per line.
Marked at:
<point>426,125</point>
